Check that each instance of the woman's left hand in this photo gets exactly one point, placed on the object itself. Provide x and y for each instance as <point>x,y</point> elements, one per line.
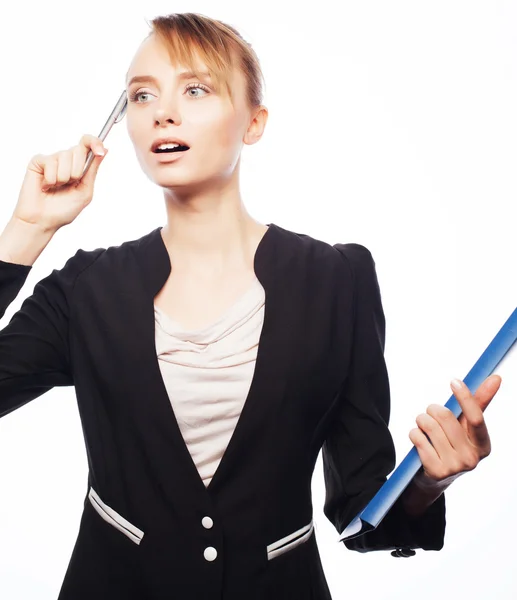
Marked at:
<point>457,445</point>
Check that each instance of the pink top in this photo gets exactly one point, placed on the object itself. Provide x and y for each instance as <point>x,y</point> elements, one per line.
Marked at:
<point>208,372</point>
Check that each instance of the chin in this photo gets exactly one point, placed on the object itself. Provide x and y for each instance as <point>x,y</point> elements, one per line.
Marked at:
<point>175,181</point>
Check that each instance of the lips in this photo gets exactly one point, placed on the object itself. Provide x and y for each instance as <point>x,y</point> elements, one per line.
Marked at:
<point>169,140</point>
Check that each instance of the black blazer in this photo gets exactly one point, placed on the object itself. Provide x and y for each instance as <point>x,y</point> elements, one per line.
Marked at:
<point>150,529</point>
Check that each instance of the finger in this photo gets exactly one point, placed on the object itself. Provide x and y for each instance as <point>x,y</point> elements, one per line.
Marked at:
<point>49,172</point>
<point>64,166</point>
<point>472,419</point>
<point>88,179</point>
<point>483,396</point>
<point>79,157</point>
<point>78,160</point>
<point>458,454</point>
<point>487,390</point>
<point>437,436</point>
<point>90,142</point>
<point>427,453</point>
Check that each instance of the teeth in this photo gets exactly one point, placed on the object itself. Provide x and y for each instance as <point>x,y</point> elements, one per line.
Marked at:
<point>168,145</point>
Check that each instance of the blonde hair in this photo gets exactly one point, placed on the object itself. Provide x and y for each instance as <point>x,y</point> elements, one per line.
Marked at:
<point>218,44</point>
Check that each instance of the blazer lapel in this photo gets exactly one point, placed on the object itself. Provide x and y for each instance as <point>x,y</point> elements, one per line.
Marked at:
<point>269,379</point>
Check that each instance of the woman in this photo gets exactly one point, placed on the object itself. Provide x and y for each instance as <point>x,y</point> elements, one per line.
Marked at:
<point>213,358</point>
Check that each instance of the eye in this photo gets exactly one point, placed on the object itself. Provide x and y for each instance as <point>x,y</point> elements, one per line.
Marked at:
<point>196,85</point>
<point>135,95</point>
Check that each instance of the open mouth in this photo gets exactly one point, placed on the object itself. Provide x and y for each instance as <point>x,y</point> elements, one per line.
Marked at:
<point>170,150</point>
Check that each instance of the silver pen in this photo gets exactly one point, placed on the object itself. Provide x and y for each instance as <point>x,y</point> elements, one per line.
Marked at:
<point>117,114</point>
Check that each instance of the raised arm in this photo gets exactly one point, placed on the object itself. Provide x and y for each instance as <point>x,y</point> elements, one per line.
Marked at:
<point>34,352</point>
<point>34,349</point>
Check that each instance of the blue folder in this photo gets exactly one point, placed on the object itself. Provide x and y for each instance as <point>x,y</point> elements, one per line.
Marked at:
<point>370,517</point>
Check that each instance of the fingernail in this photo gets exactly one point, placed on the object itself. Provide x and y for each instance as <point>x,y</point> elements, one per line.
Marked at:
<point>99,152</point>
<point>456,384</point>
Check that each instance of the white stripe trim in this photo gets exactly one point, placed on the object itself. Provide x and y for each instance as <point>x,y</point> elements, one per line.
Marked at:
<point>298,537</point>
<point>113,518</point>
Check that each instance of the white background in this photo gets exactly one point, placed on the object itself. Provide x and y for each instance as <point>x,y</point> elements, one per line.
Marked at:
<point>391,124</point>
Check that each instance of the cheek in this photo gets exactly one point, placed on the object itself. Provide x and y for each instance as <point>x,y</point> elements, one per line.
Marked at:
<point>217,129</point>
<point>228,140</point>
<point>132,131</point>
<point>229,133</point>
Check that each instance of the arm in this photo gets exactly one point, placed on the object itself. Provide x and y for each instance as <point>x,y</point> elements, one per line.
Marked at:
<point>358,453</point>
<point>21,243</point>
<point>422,492</point>
<point>34,348</point>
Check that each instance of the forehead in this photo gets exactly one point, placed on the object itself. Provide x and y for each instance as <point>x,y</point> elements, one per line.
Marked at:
<point>153,58</point>
<point>151,53</point>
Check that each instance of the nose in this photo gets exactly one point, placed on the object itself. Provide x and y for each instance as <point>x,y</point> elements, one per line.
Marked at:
<point>160,120</point>
<point>166,115</point>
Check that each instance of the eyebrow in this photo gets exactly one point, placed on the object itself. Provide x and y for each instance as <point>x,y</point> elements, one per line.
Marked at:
<point>182,76</point>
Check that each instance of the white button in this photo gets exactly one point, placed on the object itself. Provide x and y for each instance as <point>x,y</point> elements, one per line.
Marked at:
<point>210,553</point>
<point>207,522</point>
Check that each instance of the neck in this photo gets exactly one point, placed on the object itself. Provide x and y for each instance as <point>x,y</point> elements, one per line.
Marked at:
<point>212,242</point>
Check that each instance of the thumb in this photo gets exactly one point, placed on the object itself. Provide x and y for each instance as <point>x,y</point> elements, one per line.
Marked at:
<point>89,177</point>
<point>487,390</point>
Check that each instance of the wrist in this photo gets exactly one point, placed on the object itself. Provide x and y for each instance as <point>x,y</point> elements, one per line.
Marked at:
<point>422,492</point>
<point>31,228</point>
<point>427,484</point>
<point>22,242</point>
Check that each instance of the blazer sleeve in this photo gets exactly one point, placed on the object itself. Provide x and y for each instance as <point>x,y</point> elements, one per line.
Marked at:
<point>358,453</point>
<point>34,346</point>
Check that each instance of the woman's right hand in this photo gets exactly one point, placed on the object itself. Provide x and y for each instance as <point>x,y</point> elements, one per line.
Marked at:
<point>53,192</point>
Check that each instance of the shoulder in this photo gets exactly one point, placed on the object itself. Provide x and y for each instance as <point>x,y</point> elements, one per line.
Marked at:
<point>353,257</point>
<point>311,249</point>
<point>62,280</point>
<point>101,260</point>
<point>357,255</point>
<point>344,263</point>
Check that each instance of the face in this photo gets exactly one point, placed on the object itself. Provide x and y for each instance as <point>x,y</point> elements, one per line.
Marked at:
<point>191,110</point>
